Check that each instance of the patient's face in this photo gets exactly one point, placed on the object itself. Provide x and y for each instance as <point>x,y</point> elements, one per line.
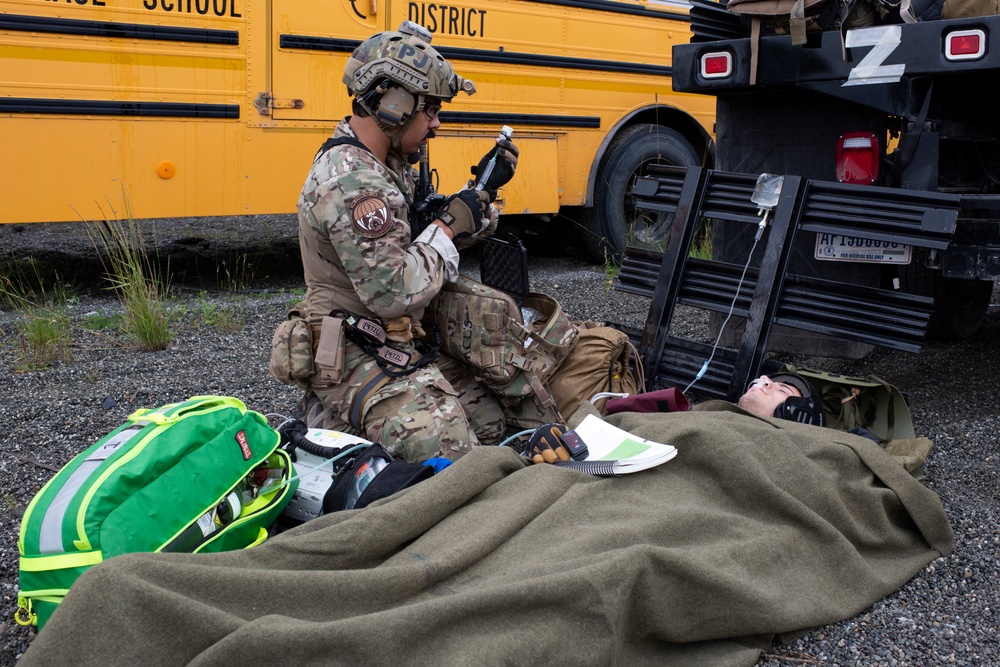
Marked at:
<point>764,396</point>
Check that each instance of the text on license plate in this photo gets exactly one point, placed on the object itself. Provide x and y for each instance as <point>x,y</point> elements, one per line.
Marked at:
<point>837,247</point>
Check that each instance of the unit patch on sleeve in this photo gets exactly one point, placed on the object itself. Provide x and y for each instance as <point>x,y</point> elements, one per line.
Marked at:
<point>371,215</point>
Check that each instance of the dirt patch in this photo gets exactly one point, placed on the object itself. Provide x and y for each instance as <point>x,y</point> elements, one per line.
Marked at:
<point>192,250</point>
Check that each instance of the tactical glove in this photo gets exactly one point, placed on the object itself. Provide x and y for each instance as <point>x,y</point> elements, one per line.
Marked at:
<point>546,446</point>
<point>485,233</point>
<point>506,153</point>
<point>466,213</point>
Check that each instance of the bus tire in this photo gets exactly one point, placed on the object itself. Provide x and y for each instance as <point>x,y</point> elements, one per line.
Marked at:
<point>959,304</point>
<point>613,222</point>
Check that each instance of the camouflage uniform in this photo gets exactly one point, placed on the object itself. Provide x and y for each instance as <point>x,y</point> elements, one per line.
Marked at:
<point>354,236</point>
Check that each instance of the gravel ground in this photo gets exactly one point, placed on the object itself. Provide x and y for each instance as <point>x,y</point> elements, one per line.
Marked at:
<point>945,615</point>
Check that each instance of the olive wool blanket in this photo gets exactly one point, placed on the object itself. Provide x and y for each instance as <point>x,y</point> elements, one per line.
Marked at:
<point>758,528</point>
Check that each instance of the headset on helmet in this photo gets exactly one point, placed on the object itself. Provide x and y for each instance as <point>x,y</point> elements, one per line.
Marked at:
<point>805,409</point>
<point>394,74</point>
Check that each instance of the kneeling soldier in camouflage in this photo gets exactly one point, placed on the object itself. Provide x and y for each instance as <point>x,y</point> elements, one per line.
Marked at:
<point>369,277</point>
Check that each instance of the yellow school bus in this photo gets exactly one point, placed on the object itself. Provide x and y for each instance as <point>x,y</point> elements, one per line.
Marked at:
<point>216,107</point>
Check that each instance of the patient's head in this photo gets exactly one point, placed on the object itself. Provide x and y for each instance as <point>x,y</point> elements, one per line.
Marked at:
<point>783,395</point>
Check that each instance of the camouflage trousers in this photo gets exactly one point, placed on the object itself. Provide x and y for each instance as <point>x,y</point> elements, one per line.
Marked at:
<point>439,410</point>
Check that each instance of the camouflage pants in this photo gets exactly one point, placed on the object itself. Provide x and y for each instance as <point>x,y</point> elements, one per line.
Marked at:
<point>439,410</point>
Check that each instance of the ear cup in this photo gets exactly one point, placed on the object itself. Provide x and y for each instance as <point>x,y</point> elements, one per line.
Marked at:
<point>395,107</point>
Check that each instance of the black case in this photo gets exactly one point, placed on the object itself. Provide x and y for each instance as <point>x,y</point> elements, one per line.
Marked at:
<point>504,266</point>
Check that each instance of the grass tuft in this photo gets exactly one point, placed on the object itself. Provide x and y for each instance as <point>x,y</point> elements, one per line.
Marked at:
<point>227,318</point>
<point>44,327</point>
<point>701,246</point>
<point>235,275</point>
<point>138,281</point>
<point>612,267</point>
<point>101,321</point>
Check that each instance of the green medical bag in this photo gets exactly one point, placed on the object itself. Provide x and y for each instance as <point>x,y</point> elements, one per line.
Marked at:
<point>204,475</point>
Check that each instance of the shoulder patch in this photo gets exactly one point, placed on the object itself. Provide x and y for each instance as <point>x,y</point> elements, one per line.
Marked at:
<point>371,216</point>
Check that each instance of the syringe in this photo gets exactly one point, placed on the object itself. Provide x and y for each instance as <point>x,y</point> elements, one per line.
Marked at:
<point>505,133</point>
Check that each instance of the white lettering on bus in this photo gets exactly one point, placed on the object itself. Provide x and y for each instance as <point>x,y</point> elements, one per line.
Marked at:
<point>203,7</point>
<point>448,20</point>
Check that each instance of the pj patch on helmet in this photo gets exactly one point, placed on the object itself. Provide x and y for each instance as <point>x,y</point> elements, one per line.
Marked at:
<point>394,74</point>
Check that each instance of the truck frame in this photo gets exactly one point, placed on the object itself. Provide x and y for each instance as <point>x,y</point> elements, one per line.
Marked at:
<point>917,89</point>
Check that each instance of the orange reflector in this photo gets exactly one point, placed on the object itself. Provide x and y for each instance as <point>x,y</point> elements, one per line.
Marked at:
<point>717,64</point>
<point>166,169</point>
<point>965,45</point>
<point>857,158</point>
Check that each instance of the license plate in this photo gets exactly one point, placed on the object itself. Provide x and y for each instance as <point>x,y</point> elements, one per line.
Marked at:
<point>839,248</point>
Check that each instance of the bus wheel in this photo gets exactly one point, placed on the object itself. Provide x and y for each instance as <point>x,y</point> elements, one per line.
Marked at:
<point>959,305</point>
<point>614,223</point>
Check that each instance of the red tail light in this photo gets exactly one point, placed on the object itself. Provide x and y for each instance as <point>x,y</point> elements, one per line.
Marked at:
<point>857,158</point>
<point>965,45</point>
<point>716,65</point>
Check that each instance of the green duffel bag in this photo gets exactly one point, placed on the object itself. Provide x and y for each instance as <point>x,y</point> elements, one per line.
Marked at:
<point>204,475</point>
<point>869,403</point>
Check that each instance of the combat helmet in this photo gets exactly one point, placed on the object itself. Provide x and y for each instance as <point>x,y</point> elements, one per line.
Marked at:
<point>805,409</point>
<point>394,74</point>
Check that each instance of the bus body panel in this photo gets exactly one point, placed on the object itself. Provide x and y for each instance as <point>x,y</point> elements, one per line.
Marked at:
<point>215,107</point>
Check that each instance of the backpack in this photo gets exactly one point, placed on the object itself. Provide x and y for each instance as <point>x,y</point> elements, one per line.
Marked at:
<point>485,328</point>
<point>852,403</point>
<point>963,9</point>
<point>603,360</point>
<point>797,17</point>
<point>203,475</point>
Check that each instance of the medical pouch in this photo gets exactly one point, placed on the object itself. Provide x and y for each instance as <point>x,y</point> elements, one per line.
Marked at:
<point>292,351</point>
<point>204,475</point>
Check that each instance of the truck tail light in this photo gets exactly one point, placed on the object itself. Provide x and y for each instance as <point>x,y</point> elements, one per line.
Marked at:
<point>716,65</point>
<point>965,44</point>
<point>857,158</point>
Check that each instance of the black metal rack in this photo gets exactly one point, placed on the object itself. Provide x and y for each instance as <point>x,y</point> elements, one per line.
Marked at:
<point>771,294</point>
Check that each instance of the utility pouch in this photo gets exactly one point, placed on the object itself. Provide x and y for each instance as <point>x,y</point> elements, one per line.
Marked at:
<point>292,352</point>
<point>330,352</point>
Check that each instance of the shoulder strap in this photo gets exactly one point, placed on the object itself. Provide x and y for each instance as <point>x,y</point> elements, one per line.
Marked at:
<point>332,142</point>
<point>890,407</point>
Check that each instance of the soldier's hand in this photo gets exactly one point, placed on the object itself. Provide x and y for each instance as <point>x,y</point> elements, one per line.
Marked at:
<point>507,154</point>
<point>546,446</point>
<point>466,213</point>
<point>485,233</point>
